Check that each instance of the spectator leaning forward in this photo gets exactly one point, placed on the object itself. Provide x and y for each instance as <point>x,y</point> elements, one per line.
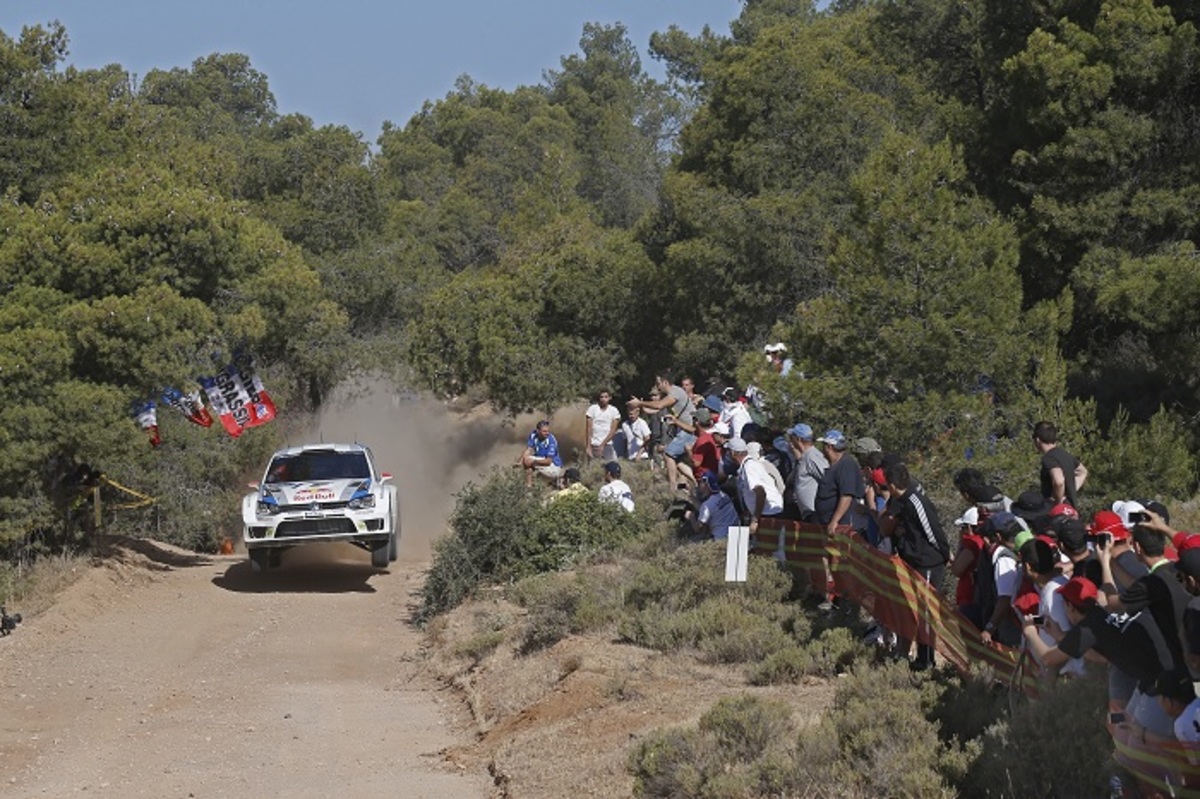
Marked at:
<point>998,579</point>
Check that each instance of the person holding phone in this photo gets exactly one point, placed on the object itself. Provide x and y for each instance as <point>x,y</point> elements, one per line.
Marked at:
<point>1159,593</point>
<point>1131,642</point>
<point>1040,561</point>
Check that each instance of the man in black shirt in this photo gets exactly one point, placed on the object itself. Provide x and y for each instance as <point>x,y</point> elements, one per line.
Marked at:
<point>1062,474</point>
<point>1131,642</point>
<point>841,489</point>
<point>912,521</point>
<point>1160,592</point>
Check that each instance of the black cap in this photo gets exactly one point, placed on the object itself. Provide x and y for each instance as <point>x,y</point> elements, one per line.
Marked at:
<point>1030,505</point>
<point>1157,507</point>
<point>985,494</point>
<point>1072,535</point>
<point>1175,685</point>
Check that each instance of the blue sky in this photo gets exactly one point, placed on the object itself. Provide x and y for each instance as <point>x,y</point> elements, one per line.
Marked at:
<point>357,62</point>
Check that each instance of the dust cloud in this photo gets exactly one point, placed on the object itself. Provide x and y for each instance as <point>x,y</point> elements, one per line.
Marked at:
<point>430,449</point>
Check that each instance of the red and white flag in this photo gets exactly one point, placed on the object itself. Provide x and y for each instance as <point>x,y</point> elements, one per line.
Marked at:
<point>238,398</point>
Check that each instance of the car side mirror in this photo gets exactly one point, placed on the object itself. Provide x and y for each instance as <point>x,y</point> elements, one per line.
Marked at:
<point>385,476</point>
<point>253,485</point>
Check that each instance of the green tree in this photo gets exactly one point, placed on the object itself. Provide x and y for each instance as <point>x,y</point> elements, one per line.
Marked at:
<point>929,269</point>
<point>623,123</point>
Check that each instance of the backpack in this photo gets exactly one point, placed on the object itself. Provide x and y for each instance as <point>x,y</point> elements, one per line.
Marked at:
<point>986,596</point>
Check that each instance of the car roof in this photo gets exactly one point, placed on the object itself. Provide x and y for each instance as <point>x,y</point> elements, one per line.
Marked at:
<point>321,448</point>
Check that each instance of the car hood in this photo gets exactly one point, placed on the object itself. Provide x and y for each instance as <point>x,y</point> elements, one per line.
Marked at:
<point>307,492</point>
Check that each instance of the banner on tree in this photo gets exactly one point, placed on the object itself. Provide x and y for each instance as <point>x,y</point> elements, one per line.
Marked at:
<point>238,398</point>
<point>190,405</point>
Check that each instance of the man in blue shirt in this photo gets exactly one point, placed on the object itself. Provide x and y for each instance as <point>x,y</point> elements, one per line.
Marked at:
<point>541,455</point>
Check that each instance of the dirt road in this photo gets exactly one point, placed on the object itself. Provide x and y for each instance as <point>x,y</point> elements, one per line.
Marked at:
<point>165,674</point>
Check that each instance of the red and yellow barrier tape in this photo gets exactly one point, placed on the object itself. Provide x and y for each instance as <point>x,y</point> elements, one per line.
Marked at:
<point>899,599</point>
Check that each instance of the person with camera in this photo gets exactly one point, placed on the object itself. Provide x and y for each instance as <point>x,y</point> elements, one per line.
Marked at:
<point>759,495</point>
<point>1041,564</point>
<point>1160,592</point>
<point>716,513</point>
<point>1132,643</point>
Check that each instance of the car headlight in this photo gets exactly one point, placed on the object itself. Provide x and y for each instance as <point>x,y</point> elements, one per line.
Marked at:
<point>365,502</point>
<point>267,508</point>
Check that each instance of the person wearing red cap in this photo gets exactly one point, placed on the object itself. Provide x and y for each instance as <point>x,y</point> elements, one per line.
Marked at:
<point>1131,642</point>
<point>1127,567</point>
<point>1040,559</point>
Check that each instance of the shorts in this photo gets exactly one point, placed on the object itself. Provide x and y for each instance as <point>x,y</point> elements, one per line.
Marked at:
<point>679,444</point>
<point>551,471</point>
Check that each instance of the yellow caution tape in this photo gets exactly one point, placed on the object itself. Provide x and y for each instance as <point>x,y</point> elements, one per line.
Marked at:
<point>142,499</point>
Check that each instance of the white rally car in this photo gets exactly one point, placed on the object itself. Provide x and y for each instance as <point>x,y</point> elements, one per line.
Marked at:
<point>318,493</point>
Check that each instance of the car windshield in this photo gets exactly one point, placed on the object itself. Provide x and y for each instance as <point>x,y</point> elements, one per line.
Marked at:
<point>318,465</point>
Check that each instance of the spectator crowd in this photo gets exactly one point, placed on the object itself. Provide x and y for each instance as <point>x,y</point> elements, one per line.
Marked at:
<point>1116,595</point>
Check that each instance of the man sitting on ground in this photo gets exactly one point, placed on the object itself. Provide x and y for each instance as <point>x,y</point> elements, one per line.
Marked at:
<point>616,490</point>
<point>541,455</point>
<point>716,513</point>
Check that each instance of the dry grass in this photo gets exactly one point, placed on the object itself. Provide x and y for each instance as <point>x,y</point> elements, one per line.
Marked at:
<point>29,588</point>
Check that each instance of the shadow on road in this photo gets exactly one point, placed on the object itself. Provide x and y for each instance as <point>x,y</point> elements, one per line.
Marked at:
<point>315,569</point>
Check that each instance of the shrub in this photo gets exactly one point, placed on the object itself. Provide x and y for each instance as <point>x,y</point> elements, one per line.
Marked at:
<point>481,645</point>
<point>680,600</point>
<point>786,666</point>
<point>502,531</point>
<point>563,604</point>
<point>1023,755</point>
<point>876,739</point>
<point>735,752</point>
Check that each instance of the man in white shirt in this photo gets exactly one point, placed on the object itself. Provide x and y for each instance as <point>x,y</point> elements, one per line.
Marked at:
<point>733,412</point>
<point>603,421</point>
<point>615,489</point>
<point>637,434</point>
<point>756,489</point>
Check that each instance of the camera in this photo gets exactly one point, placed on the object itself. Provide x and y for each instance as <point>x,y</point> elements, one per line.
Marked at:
<point>8,623</point>
<point>1040,621</point>
<point>678,510</point>
<point>1139,517</point>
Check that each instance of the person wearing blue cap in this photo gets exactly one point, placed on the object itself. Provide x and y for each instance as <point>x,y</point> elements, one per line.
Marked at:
<point>716,513</point>
<point>841,490</point>
<point>806,476</point>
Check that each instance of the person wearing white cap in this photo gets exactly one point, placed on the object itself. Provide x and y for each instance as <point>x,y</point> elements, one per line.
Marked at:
<point>756,489</point>
<point>966,561</point>
<point>733,411</point>
<point>777,356</point>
